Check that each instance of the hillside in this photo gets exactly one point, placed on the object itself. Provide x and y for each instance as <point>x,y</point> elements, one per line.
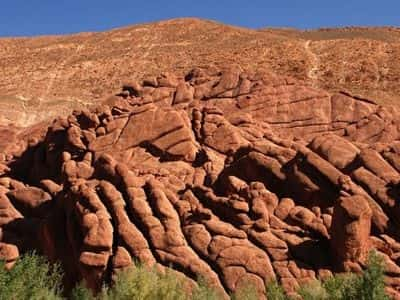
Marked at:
<point>42,77</point>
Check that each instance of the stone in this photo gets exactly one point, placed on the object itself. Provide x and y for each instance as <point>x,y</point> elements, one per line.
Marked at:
<point>350,230</point>
<point>219,174</point>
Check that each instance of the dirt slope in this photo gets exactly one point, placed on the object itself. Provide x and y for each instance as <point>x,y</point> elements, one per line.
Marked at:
<point>45,76</point>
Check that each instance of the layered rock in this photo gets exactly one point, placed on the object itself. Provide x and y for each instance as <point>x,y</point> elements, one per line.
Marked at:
<point>220,174</point>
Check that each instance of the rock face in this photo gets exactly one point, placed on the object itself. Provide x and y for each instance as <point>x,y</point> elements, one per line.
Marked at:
<point>234,177</point>
<point>350,228</point>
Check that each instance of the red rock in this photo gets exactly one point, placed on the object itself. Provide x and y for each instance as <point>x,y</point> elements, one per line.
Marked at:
<point>8,252</point>
<point>203,174</point>
<point>338,151</point>
<point>351,225</point>
<point>284,208</point>
<point>30,200</point>
<point>121,258</point>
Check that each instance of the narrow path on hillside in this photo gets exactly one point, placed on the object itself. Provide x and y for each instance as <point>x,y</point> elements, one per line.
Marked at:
<point>381,68</point>
<point>315,63</point>
<point>56,73</point>
<point>150,42</point>
<point>140,52</point>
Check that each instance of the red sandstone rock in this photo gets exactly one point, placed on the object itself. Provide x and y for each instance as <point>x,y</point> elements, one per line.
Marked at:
<point>203,174</point>
<point>350,230</point>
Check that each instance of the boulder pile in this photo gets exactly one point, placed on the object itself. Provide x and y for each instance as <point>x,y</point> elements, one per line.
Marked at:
<point>238,178</point>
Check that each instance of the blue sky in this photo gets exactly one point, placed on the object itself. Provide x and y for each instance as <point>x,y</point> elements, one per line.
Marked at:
<point>35,17</point>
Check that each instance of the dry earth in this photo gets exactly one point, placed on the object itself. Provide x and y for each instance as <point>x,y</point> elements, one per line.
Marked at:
<point>42,77</point>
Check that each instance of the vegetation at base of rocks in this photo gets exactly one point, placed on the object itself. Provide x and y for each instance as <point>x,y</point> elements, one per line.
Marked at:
<point>32,277</point>
<point>275,291</point>
<point>141,282</point>
<point>367,286</point>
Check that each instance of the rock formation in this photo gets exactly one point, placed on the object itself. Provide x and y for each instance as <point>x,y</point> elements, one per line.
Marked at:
<point>239,178</point>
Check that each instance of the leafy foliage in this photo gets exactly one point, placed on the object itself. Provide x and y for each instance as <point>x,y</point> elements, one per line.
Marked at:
<point>33,277</point>
<point>371,284</point>
<point>275,291</point>
<point>367,286</point>
<point>142,283</point>
<point>80,292</point>
<point>203,291</point>
<point>245,293</point>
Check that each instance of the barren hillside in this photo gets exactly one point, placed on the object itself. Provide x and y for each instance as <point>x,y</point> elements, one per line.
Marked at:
<point>42,77</point>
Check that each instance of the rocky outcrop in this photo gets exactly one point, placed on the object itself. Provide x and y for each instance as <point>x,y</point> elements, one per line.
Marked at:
<point>220,174</point>
<point>287,106</point>
<point>350,231</point>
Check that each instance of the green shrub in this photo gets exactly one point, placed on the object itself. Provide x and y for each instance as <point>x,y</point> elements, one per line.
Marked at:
<point>341,286</point>
<point>367,286</point>
<point>371,285</point>
<point>143,283</point>
<point>204,291</point>
<point>32,277</point>
<point>313,291</point>
<point>275,291</point>
<point>80,292</point>
<point>248,292</point>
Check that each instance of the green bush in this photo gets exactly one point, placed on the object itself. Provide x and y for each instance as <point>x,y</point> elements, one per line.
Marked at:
<point>143,283</point>
<point>367,286</point>
<point>32,277</point>
<point>371,285</point>
<point>204,291</point>
<point>80,292</point>
<point>341,286</point>
<point>245,293</point>
<point>275,291</point>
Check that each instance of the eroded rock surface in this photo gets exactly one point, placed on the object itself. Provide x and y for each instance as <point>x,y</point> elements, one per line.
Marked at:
<point>230,176</point>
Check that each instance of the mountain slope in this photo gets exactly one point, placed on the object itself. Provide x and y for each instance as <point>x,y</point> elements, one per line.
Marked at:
<point>45,76</point>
